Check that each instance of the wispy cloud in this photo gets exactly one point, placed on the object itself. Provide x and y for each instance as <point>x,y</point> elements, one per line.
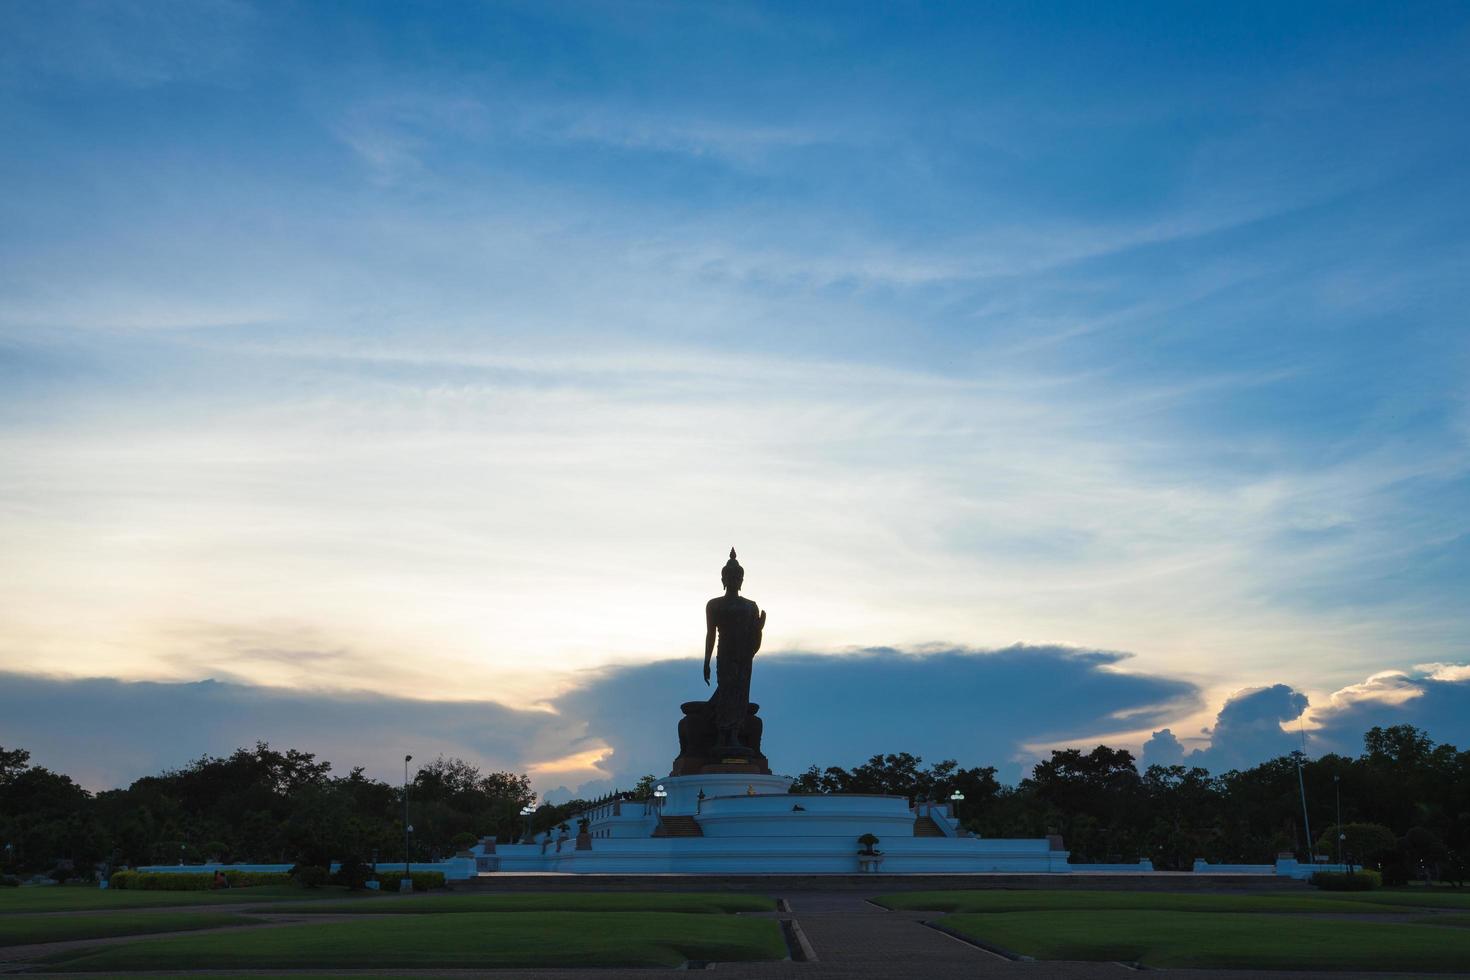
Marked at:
<point>420,355</point>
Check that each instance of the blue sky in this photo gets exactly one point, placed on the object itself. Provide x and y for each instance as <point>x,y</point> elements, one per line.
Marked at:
<point>440,354</point>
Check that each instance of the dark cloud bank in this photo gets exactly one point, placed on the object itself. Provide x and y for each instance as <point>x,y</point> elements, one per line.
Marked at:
<point>981,707</point>
<point>1249,728</point>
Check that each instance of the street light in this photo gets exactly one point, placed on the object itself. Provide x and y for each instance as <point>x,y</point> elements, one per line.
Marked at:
<point>407,827</point>
<point>955,799</point>
<point>526,812</point>
<point>1301,783</point>
<point>1337,790</point>
<point>659,793</point>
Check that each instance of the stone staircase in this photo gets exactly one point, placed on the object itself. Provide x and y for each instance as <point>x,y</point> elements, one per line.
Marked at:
<point>926,827</point>
<point>679,827</point>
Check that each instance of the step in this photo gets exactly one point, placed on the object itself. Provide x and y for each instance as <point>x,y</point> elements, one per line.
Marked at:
<point>926,827</point>
<point>678,827</point>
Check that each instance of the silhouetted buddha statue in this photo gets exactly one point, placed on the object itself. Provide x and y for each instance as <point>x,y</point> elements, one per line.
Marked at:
<point>736,623</point>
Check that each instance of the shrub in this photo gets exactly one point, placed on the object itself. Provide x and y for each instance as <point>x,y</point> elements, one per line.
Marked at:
<point>310,875</point>
<point>422,880</point>
<point>1341,881</point>
<point>464,841</point>
<point>352,872</point>
<point>250,879</point>
<point>189,881</point>
<point>9,881</point>
<point>869,842</point>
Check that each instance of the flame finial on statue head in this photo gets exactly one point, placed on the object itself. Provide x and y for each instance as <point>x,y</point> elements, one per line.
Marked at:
<point>732,574</point>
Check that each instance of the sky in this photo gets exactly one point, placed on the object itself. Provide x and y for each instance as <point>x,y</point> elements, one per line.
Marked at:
<point>1061,374</point>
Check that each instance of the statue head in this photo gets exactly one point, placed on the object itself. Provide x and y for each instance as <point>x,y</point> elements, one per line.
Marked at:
<point>732,575</point>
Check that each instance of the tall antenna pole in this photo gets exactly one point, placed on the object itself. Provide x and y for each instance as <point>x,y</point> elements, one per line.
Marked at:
<point>1302,785</point>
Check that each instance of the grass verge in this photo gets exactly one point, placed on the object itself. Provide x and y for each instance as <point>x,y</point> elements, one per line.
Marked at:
<point>564,902</point>
<point>16,930</point>
<point>994,900</point>
<point>1462,921</point>
<point>68,898</point>
<point>454,939</point>
<point>1221,940</point>
<point>1420,898</point>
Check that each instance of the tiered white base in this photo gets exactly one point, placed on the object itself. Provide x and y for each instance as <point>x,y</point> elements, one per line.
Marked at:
<point>752,825</point>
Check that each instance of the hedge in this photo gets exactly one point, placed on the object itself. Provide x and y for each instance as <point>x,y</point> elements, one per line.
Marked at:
<point>422,880</point>
<point>188,881</point>
<point>1341,881</point>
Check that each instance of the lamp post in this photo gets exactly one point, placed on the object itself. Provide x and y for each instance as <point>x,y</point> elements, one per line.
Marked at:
<point>407,828</point>
<point>526,812</point>
<point>1301,783</point>
<point>659,794</point>
<point>1337,791</point>
<point>955,799</point>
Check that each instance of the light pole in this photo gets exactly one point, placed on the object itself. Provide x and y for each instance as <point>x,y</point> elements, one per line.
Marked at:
<point>526,812</point>
<point>955,799</point>
<point>407,828</point>
<point>1301,783</point>
<point>659,793</point>
<point>1337,791</point>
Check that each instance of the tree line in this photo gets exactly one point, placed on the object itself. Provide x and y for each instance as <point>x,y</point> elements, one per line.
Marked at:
<point>1405,806</point>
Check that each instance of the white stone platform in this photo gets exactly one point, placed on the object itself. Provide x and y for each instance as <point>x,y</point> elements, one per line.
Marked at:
<point>751,824</point>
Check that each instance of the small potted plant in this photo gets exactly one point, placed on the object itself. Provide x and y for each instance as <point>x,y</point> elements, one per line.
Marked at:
<point>868,856</point>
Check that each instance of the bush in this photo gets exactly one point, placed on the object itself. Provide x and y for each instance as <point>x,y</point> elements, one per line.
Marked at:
<point>352,872</point>
<point>464,841</point>
<point>9,881</point>
<point>249,879</point>
<point>1341,881</point>
<point>310,875</point>
<point>188,881</point>
<point>422,880</point>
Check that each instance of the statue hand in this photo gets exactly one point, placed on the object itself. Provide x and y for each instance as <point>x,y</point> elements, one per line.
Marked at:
<point>706,672</point>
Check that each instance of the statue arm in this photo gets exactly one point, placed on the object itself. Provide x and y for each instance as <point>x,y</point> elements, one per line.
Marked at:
<point>709,636</point>
<point>760,627</point>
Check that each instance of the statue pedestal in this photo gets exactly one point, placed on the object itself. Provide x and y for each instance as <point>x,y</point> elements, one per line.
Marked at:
<point>698,752</point>
<point>684,798</point>
<point>694,766</point>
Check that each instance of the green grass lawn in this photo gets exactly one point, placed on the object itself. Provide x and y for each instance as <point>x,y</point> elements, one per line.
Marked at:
<point>456,939</point>
<point>1463,921</point>
<point>563,902</point>
<point>1226,940</point>
<point>81,898</point>
<point>1423,898</point>
<point>17,930</point>
<point>996,900</point>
